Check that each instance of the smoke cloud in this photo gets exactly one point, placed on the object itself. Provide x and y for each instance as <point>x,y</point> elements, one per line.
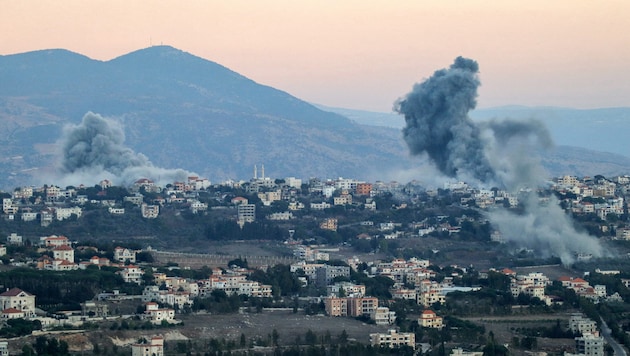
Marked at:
<point>501,153</point>
<point>94,150</point>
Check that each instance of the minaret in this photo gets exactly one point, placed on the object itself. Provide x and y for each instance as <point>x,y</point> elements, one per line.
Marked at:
<point>255,172</point>
<point>262,168</point>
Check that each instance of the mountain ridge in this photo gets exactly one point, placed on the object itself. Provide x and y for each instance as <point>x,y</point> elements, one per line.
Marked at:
<point>183,111</point>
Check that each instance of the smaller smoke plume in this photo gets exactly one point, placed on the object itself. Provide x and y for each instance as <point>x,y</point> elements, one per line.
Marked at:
<point>547,229</point>
<point>95,150</point>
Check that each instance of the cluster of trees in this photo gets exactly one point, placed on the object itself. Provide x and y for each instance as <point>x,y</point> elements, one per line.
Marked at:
<point>45,346</point>
<point>229,230</point>
<point>310,343</point>
<point>19,327</point>
<point>65,290</point>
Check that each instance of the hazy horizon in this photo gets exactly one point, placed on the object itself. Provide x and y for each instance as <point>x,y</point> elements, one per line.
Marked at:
<point>359,55</point>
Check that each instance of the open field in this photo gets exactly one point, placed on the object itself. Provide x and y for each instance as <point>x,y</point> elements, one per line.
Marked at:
<point>505,328</point>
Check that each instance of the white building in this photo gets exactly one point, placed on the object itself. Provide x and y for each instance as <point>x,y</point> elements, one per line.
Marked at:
<point>393,339</point>
<point>18,299</point>
<point>157,314</point>
<point>132,274</point>
<point>123,255</point>
<point>246,213</point>
<point>155,347</point>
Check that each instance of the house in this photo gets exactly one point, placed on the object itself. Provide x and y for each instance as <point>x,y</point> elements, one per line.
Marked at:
<point>54,241</point>
<point>18,299</point>
<point>154,347</point>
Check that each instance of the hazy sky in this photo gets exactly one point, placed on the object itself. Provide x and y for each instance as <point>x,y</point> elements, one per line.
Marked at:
<point>361,54</point>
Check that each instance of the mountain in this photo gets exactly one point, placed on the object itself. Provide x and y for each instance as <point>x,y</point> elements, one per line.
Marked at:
<point>588,141</point>
<point>183,111</point>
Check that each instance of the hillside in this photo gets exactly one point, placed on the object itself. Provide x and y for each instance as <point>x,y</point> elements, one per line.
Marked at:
<point>183,111</point>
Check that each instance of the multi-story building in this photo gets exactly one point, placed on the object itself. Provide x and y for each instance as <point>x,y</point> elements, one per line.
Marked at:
<point>157,314</point>
<point>589,345</point>
<point>123,255</point>
<point>63,252</point>
<point>154,347</point>
<point>336,306</point>
<point>14,239</point>
<point>150,211</point>
<point>176,299</point>
<point>393,339</point>
<point>350,306</point>
<point>349,290</point>
<point>325,274</point>
<point>364,188</point>
<point>428,319</point>
<point>132,274</point>
<point>246,213</point>
<point>579,324</point>
<point>66,213</point>
<point>429,293</point>
<point>383,316</point>
<point>329,224</point>
<point>362,306</point>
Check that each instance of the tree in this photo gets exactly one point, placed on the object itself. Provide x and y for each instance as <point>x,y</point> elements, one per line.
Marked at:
<point>274,337</point>
<point>310,337</point>
<point>343,337</point>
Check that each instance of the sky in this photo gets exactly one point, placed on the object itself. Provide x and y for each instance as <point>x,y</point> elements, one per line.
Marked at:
<point>358,54</point>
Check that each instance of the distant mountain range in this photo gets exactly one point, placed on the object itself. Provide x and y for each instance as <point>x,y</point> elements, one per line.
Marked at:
<point>183,111</point>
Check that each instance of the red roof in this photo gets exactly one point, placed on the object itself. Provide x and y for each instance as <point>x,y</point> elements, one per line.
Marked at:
<point>12,311</point>
<point>63,248</point>
<point>13,292</point>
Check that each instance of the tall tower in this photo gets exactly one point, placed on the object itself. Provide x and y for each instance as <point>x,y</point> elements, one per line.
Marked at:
<point>255,172</point>
<point>262,168</point>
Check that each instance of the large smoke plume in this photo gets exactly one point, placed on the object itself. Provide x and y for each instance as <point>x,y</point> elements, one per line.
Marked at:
<point>94,150</point>
<point>501,153</point>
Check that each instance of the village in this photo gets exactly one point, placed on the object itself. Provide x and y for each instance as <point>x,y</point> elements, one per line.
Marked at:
<point>414,300</point>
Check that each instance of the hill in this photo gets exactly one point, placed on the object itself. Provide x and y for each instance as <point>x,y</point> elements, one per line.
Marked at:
<point>183,111</point>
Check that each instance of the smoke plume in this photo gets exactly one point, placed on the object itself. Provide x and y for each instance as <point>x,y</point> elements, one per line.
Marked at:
<point>498,152</point>
<point>95,150</point>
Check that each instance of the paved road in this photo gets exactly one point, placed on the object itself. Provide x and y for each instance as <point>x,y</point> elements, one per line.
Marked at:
<point>619,350</point>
